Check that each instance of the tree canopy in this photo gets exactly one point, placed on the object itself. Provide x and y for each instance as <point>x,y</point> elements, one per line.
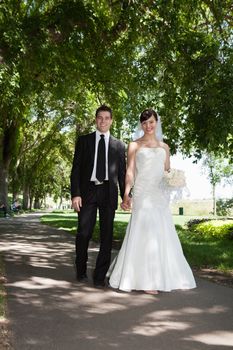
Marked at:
<point>61,59</point>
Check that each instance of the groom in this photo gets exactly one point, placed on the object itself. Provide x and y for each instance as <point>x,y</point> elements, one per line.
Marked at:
<point>98,167</point>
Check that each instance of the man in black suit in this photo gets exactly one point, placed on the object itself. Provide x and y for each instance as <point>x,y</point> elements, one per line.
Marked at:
<point>98,167</point>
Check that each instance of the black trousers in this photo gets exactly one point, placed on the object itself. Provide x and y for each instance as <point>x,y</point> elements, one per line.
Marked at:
<point>97,198</point>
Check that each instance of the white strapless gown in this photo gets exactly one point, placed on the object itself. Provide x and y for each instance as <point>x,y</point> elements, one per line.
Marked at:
<point>151,256</point>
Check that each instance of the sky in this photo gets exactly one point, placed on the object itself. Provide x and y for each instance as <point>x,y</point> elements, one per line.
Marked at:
<point>197,182</point>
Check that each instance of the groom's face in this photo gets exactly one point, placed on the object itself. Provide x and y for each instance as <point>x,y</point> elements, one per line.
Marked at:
<point>103,121</point>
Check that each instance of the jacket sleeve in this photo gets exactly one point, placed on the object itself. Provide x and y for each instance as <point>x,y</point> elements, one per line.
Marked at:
<point>122,168</point>
<point>75,177</point>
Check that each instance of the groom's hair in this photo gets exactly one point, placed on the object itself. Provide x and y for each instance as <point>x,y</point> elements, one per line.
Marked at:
<point>103,108</point>
<point>147,113</point>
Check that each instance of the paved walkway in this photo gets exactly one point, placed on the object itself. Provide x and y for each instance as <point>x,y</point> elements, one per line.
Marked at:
<point>48,309</point>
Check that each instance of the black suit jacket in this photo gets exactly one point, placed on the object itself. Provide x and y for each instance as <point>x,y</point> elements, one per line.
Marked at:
<point>83,163</point>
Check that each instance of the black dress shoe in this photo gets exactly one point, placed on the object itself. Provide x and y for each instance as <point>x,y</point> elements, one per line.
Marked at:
<point>79,277</point>
<point>82,278</point>
<point>99,284</point>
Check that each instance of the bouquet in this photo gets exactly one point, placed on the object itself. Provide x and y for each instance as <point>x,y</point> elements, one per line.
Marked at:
<point>175,178</point>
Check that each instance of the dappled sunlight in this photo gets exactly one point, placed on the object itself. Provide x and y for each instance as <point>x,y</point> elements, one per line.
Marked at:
<point>153,328</point>
<point>23,297</point>
<point>165,314</point>
<point>32,246</point>
<point>40,262</point>
<point>162,321</point>
<point>94,249</point>
<point>43,292</point>
<point>39,283</point>
<point>190,310</point>
<point>3,320</point>
<point>104,301</point>
<point>105,308</point>
<point>217,309</point>
<point>65,228</point>
<point>218,338</point>
<point>38,254</point>
<point>27,248</point>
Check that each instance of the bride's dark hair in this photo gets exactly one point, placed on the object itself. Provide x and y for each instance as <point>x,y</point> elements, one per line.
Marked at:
<point>147,113</point>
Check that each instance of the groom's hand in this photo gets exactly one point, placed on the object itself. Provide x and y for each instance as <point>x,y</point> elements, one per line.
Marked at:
<point>77,203</point>
<point>126,204</point>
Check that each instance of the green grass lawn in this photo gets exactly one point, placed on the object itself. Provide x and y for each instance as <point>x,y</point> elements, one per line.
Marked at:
<point>199,251</point>
<point>207,252</point>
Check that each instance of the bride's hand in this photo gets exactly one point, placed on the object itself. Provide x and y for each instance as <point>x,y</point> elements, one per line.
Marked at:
<point>126,203</point>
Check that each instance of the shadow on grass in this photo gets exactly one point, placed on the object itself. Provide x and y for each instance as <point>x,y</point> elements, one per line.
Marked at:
<point>69,223</point>
<point>202,252</point>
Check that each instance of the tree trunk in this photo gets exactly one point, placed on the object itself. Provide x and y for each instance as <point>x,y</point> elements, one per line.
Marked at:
<point>25,196</point>
<point>8,140</point>
<point>15,194</point>
<point>60,204</point>
<point>37,203</point>
<point>214,199</point>
<point>45,204</point>
<point>15,184</point>
<point>30,201</point>
<point>3,185</point>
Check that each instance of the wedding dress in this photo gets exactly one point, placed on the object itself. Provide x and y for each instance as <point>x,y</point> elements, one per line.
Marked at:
<point>151,256</point>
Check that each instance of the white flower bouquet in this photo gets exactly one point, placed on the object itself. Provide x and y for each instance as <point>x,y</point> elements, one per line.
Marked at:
<point>175,178</point>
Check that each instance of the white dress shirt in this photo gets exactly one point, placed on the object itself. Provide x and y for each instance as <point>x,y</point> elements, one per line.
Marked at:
<point>106,139</point>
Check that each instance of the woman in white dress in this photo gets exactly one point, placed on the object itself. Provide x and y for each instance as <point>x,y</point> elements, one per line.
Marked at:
<point>151,257</point>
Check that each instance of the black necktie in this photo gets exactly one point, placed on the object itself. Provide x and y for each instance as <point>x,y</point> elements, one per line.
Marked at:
<point>101,162</point>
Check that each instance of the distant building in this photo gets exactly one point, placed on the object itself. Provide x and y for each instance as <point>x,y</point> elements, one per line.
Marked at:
<point>197,207</point>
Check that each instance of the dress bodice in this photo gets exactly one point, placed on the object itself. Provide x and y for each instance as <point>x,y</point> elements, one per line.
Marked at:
<point>150,163</point>
<point>149,173</point>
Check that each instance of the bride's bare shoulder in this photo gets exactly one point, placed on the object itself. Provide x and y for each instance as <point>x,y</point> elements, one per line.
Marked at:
<point>164,145</point>
<point>134,145</point>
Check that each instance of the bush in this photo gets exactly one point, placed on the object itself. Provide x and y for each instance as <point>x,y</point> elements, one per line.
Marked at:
<point>191,224</point>
<point>215,229</point>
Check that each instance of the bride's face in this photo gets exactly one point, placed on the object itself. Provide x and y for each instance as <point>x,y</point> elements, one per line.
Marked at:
<point>149,125</point>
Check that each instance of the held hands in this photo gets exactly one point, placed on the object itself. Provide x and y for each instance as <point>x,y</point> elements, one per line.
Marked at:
<point>126,203</point>
<point>77,203</point>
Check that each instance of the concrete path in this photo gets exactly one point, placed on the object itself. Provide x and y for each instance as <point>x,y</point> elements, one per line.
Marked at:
<point>48,309</point>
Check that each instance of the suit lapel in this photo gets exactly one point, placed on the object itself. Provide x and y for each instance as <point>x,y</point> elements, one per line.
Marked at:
<point>91,145</point>
<point>111,152</point>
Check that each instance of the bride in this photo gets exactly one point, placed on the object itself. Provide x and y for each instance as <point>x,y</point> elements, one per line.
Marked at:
<point>151,257</point>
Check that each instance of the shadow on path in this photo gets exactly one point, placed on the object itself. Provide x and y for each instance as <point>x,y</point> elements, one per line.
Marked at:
<point>48,309</point>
